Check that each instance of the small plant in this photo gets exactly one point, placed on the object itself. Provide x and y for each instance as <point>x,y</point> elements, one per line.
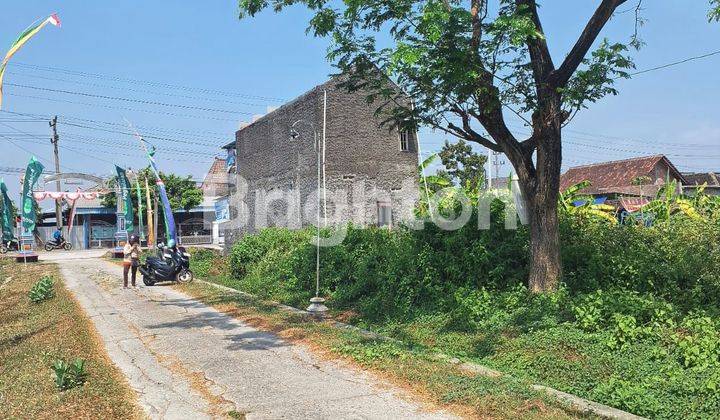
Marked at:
<point>42,290</point>
<point>69,375</point>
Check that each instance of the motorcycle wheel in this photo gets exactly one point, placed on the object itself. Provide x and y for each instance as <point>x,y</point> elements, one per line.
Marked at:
<point>48,246</point>
<point>148,281</point>
<point>3,249</point>
<point>185,276</point>
<point>67,246</point>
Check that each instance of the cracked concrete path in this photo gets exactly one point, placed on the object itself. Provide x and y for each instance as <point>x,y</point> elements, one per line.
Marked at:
<point>187,360</point>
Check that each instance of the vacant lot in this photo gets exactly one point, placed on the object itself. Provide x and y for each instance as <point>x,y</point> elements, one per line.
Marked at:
<point>33,336</point>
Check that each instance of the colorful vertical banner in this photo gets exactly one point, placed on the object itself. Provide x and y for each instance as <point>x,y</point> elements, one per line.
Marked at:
<point>32,174</point>
<point>140,212</point>
<point>151,231</point>
<point>8,215</point>
<point>167,210</point>
<point>23,38</point>
<point>126,197</point>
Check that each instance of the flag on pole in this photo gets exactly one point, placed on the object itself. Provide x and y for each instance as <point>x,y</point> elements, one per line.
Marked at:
<point>126,197</point>
<point>167,210</point>
<point>7,214</point>
<point>140,212</point>
<point>24,38</point>
<point>32,173</point>
<point>151,231</point>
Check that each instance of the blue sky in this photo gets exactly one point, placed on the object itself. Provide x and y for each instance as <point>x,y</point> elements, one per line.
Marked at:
<point>211,59</point>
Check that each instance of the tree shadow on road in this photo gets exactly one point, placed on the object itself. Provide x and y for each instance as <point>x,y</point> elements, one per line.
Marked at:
<point>246,338</point>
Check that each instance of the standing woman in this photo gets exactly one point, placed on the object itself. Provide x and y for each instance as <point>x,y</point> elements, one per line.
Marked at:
<point>131,259</point>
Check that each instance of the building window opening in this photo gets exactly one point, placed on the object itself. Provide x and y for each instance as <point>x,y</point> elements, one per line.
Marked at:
<point>405,141</point>
<point>384,209</point>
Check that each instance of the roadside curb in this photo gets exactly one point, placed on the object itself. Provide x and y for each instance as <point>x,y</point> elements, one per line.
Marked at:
<point>577,403</point>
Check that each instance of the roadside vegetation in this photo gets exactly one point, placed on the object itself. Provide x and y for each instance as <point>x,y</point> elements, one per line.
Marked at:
<point>53,363</point>
<point>635,323</point>
<point>437,384</point>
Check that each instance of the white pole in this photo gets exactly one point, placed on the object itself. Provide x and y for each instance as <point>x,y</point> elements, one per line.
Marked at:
<point>422,170</point>
<point>323,156</point>
<point>489,164</point>
<point>317,258</point>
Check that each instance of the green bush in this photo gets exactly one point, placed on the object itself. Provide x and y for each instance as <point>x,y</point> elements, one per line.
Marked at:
<point>69,375</point>
<point>42,290</point>
<point>635,323</point>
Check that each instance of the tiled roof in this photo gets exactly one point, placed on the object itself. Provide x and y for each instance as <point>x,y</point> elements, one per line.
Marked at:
<point>217,178</point>
<point>616,176</point>
<point>709,178</point>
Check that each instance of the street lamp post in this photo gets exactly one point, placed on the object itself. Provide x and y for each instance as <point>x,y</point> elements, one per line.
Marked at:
<point>317,304</point>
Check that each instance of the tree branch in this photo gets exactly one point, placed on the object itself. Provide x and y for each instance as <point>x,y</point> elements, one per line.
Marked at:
<point>603,13</point>
<point>476,7</point>
<point>540,57</point>
<point>469,134</point>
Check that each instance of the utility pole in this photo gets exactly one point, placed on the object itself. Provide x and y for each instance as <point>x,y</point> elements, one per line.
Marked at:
<point>54,140</point>
<point>496,163</point>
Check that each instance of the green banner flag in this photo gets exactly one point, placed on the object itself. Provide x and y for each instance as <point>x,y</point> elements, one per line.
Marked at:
<point>140,209</point>
<point>126,197</point>
<point>8,214</point>
<point>32,174</point>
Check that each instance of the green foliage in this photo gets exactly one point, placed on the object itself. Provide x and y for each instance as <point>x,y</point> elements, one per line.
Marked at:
<point>182,192</point>
<point>464,166</point>
<point>635,323</point>
<point>69,375</point>
<point>588,210</point>
<point>714,13</point>
<point>42,290</point>
<point>203,261</point>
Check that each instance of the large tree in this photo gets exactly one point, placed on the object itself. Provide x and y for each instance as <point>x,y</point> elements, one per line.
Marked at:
<point>468,65</point>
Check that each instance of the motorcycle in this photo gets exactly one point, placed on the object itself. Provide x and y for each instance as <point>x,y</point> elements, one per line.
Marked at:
<point>11,245</point>
<point>171,265</point>
<point>62,244</point>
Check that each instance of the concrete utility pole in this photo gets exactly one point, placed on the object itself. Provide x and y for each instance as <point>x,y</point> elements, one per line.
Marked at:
<point>497,163</point>
<point>54,140</point>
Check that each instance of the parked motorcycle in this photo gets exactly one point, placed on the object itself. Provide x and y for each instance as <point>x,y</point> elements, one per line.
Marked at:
<point>11,245</point>
<point>173,264</point>
<point>62,244</point>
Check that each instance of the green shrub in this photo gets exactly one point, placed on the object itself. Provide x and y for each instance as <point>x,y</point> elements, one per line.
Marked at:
<point>202,261</point>
<point>69,375</point>
<point>42,290</point>
<point>635,323</point>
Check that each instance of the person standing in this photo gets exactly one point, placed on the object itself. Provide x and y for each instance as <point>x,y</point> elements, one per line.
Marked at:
<point>131,259</point>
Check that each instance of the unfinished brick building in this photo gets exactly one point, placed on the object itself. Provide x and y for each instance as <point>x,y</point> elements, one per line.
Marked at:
<point>374,165</point>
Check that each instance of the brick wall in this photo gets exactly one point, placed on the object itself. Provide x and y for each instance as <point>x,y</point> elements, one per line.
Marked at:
<point>363,161</point>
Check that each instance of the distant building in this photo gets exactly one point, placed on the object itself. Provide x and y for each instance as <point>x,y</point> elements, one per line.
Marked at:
<point>711,181</point>
<point>635,177</point>
<point>362,157</point>
<point>217,181</point>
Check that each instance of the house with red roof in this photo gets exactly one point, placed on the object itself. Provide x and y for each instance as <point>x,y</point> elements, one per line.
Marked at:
<point>635,177</point>
<point>628,184</point>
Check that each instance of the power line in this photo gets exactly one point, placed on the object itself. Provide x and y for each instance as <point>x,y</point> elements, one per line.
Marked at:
<point>144,82</point>
<point>118,98</point>
<point>119,108</point>
<point>126,89</point>
<point>43,117</point>
<point>675,63</point>
<point>113,143</point>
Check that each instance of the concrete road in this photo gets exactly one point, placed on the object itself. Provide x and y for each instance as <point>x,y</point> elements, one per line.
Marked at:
<point>187,360</point>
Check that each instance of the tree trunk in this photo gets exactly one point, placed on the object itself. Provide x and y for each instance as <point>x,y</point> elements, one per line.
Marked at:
<point>545,266</point>
<point>541,191</point>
